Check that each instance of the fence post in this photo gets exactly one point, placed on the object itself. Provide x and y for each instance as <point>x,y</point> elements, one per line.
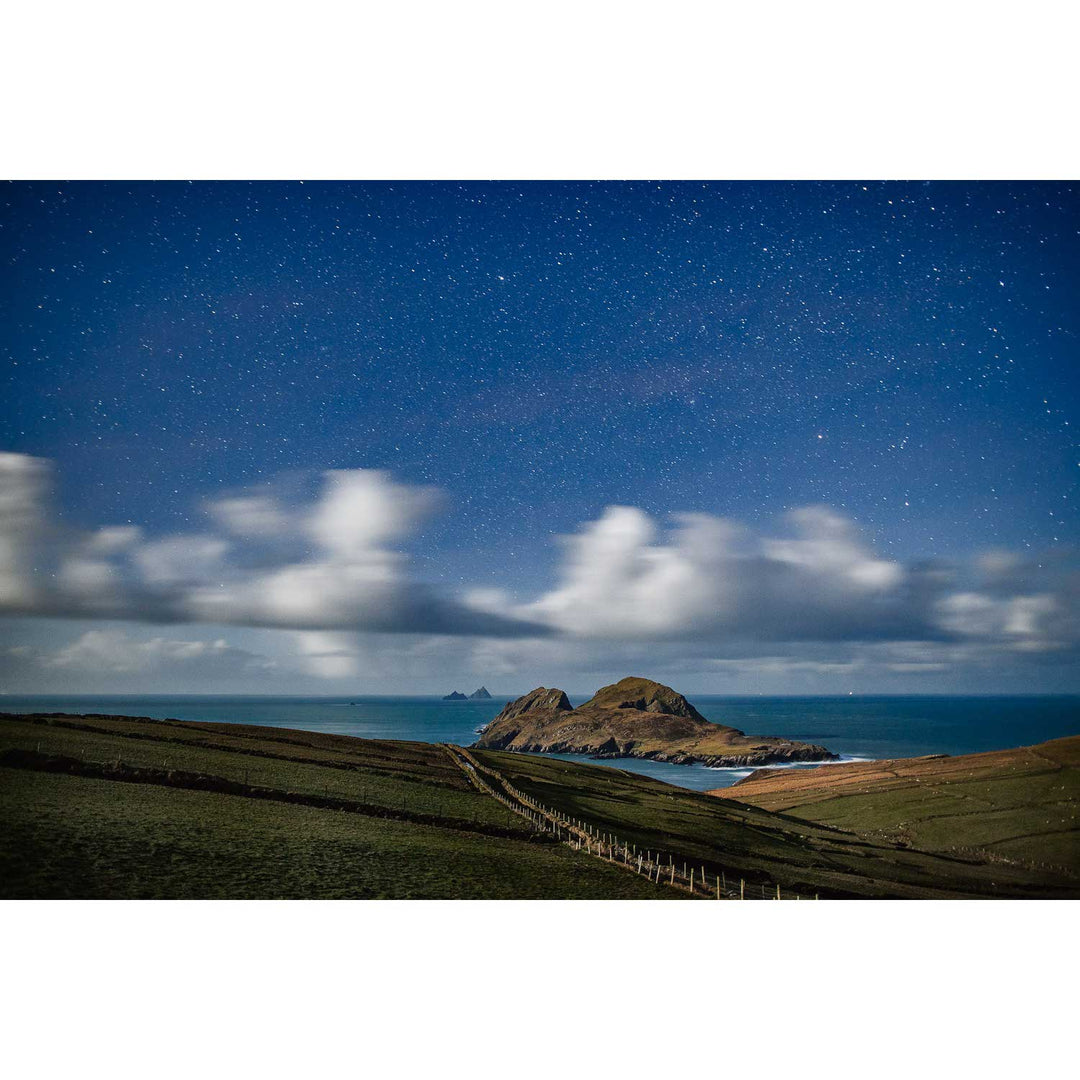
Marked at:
<point>777,892</point>
<point>742,889</point>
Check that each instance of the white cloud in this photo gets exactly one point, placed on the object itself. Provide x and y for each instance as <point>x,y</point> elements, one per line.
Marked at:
<point>323,564</point>
<point>361,510</point>
<point>249,515</point>
<point>616,582</point>
<point>112,539</point>
<point>701,593</point>
<point>621,579</point>
<point>328,656</point>
<point>1023,620</point>
<point>24,483</point>
<point>115,652</point>
<point>829,546</point>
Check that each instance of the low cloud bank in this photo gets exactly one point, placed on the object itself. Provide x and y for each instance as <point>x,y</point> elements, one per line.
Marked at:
<point>706,589</point>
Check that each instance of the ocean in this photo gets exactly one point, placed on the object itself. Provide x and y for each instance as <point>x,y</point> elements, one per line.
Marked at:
<point>857,728</point>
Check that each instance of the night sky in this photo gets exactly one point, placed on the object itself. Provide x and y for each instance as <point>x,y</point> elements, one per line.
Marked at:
<point>902,354</point>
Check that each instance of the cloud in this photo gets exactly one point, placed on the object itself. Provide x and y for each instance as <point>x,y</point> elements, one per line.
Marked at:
<point>328,656</point>
<point>711,577</point>
<point>250,515</point>
<point>24,483</point>
<point>327,563</point>
<point>809,598</point>
<point>106,656</point>
<point>115,651</point>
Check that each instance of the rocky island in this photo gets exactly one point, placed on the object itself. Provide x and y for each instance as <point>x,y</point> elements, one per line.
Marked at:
<point>634,718</point>
<point>477,695</point>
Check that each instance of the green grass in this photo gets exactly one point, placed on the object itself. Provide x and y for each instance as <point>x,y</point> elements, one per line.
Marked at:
<point>66,836</point>
<point>805,857</point>
<point>1021,805</point>
<point>417,777</point>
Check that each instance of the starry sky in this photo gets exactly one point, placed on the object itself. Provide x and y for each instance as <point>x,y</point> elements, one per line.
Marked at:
<point>900,358</point>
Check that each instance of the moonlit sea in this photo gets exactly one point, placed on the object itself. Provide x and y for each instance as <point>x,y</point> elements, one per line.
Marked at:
<point>857,728</point>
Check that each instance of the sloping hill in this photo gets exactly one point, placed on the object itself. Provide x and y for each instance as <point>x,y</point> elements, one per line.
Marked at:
<point>633,718</point>
<point>98,806</point>
<point>744,841</point>
<point>119,807</point>
<point>1021,805</point>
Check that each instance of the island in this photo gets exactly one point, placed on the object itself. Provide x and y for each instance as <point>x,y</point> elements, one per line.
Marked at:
<point>480,695</point>
<point>454,695</point>
<point>639,718</point>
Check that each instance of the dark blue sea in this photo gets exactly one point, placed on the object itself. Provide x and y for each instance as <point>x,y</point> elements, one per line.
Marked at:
<point>857,728</point>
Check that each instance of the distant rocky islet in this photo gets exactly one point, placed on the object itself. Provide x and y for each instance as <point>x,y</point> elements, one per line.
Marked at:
<point>480,694</point>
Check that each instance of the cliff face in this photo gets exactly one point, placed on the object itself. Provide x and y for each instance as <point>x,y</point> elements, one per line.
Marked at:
<point>634,718</point>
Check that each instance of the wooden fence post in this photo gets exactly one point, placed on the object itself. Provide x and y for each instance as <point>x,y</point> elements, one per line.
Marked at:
<point>742,889</point>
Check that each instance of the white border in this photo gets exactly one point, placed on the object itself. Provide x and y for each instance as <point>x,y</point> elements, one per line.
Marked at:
<point>939,988</point>
<point>561,90</point>
<point>947,89</point>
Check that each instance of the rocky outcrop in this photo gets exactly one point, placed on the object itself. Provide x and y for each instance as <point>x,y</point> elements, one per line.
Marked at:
<point>454,695</point>
<point>643,695</point>
<point>480,695</point>
<point>634,718</point>
<point>539,707</point>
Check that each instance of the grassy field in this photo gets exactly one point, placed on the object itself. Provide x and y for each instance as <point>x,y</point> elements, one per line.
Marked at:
<point>760,846</point>
<point>1020,805</point>
<point>95,806</point>
<point>77,836</point>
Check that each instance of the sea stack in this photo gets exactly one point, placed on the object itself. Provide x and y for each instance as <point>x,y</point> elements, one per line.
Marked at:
<point>480,695</point>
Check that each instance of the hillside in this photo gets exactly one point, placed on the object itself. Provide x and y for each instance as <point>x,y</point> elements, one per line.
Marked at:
<point>764,848</point>
<point>1019,806</point>
<point>634,717</point>
<point>119,807</point>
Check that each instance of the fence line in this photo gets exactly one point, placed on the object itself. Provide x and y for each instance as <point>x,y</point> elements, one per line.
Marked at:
<point>581,835</point>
